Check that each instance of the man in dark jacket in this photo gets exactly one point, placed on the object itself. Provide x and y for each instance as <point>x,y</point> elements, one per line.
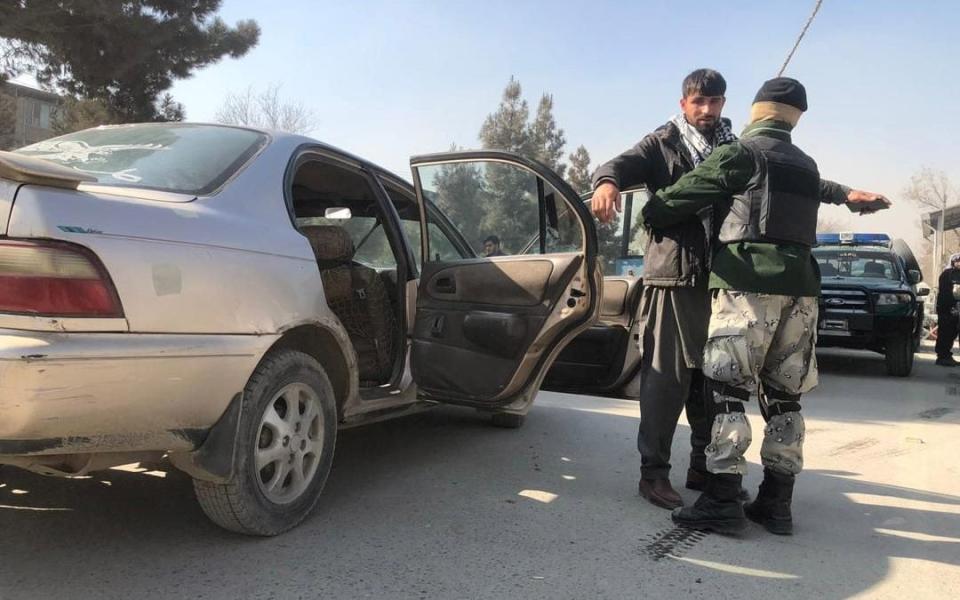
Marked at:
<point>948,317</point>
<point>765,194</point>
<point>676,264</point>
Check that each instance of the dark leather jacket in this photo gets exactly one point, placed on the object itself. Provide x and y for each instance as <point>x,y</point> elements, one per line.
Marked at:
<point>678,255</point>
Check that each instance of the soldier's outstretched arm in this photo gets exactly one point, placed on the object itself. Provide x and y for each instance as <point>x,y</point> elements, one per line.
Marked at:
<point>859,201</point>
<point>724,173</point>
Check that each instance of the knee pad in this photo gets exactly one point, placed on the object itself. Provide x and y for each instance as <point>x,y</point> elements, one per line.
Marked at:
<point>723,398</point>
<point>785,402</point>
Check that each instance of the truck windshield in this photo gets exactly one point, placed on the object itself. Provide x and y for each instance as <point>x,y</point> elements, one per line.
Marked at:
<point>856,263</point>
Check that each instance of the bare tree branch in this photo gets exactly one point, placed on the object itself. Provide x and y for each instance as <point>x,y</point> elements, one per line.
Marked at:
<point>266,110</point>
<point>930,188</point>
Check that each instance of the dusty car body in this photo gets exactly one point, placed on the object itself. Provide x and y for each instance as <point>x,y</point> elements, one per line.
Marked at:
<point>230,297</point>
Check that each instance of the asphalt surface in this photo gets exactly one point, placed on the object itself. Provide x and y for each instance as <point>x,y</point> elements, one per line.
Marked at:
<point>441,505</point>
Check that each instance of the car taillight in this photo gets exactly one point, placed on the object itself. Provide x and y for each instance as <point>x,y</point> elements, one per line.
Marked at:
<point>54,279</point>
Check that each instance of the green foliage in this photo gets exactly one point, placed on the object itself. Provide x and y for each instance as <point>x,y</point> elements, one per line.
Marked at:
<point>506,129</point>
<point>546,140</point>
<point>579,174</point>
<point>169,109</point>
<point>74,115</point>
<point>484,199</point>
<point>126,54</point>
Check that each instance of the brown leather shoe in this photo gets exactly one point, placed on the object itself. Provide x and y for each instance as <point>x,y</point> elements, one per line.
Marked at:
<point>660,493</point>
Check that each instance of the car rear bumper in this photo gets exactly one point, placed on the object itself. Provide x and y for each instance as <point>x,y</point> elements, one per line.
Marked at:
<point>72,393</point>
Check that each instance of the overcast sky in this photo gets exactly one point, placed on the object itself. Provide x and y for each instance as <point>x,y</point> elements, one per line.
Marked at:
<point>389,79</point>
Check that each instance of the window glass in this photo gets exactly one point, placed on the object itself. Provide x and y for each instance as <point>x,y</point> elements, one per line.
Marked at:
<point>442,248</point>
<point>851,263</point>
<point>639,236</point>
<point>610,238</point>
<point>185,158</point>
<point>370,242</point>
<point>498,210</point>
<point>610,242</point>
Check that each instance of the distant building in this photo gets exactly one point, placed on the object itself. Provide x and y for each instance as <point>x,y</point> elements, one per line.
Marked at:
<point>34,113</point>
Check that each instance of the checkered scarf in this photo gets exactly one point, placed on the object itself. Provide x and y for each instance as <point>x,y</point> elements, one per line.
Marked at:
<point>696,144</point>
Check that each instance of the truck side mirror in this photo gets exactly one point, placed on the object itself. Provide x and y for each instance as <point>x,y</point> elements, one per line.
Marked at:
<point>915,276</point>
<point>923,292</point>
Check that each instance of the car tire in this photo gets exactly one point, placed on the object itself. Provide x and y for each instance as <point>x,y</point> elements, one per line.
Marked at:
<point>899,356</point>
<point>507,420</point>
<point>288,426</point>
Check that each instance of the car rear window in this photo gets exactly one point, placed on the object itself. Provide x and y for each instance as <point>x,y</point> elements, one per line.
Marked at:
<point>173,157</point>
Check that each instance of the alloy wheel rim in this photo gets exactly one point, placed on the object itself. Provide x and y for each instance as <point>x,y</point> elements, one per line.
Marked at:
<point>289,443</point>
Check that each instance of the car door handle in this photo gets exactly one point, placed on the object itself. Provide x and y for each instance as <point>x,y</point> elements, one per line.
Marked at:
<point>445,285</point>
<point>436,327</point>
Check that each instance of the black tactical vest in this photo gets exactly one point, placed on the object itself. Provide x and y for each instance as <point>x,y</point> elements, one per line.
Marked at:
<point>782,199</point>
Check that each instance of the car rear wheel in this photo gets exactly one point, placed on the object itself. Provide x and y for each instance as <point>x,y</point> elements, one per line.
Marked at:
<point>285,445</point>
<point>899,356</point>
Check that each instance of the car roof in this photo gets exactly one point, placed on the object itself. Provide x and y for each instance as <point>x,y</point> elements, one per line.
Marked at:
<point>867,247</point>
<point>276,137</point>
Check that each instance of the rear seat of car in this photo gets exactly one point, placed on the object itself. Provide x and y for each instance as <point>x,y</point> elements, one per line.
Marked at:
<point>359,298</point>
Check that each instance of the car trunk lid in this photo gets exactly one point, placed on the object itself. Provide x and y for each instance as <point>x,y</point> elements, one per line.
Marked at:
<point>17,170</point>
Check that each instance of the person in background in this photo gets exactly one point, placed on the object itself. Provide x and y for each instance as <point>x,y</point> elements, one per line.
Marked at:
<point>948,315</point>
<point>491,247</point>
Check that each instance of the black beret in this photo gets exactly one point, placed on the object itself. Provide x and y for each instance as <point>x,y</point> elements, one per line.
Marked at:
<point>783,90</point>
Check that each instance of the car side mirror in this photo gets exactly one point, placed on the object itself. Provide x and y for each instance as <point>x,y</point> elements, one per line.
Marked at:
<point>338,212</point>
<point>915,276</point>
<point>923,292</point>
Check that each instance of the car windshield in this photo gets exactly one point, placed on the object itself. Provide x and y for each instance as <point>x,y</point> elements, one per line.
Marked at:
<point>188,159</point>
<point>848,262</point>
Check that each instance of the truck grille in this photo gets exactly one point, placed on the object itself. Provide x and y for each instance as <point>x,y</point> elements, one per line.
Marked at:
<point>839,300</point>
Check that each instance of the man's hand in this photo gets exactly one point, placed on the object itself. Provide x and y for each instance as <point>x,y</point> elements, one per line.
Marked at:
<point>605,202</point>
<point>867,203</point>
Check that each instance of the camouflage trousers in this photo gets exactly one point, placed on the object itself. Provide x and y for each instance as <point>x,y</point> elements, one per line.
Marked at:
<point>763,345</point>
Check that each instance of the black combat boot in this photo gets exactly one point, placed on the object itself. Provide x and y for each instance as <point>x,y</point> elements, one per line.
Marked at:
<point>697,481</point>
<point>772,506</point>
<point>717,509</point>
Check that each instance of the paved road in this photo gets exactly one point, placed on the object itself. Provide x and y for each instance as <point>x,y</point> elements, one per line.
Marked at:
<point>440,505</point>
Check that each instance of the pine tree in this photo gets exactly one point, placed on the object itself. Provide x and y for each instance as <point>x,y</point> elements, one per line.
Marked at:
<point>125,54</point>
<point>506,129</point>
<point>579,174</point>
<point>545,139</point>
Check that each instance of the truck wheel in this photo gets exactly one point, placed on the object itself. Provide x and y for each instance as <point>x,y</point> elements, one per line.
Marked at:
<point>899,356</point>
<point>285,442</point>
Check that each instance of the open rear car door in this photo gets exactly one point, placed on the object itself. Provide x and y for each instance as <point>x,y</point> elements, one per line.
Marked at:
<point>487,329</point>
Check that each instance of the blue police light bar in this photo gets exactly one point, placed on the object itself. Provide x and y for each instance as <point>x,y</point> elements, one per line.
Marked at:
<point>878,239</point>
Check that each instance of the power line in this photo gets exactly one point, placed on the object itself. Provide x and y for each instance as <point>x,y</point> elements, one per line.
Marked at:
<point>800,37</point>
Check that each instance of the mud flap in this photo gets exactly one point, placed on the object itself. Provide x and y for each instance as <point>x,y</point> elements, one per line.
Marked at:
<point>213,460</point>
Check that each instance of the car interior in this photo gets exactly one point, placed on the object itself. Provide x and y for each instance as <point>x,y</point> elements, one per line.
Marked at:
<point>337,211</point>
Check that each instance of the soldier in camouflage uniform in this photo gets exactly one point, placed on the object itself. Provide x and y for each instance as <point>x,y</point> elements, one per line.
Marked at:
<point>765,193</point>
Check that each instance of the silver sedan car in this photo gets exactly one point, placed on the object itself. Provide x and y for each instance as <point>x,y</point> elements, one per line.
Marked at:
<point>228,297</point>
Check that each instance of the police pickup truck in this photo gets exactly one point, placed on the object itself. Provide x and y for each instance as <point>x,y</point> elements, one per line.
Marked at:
<point>870,298</point>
